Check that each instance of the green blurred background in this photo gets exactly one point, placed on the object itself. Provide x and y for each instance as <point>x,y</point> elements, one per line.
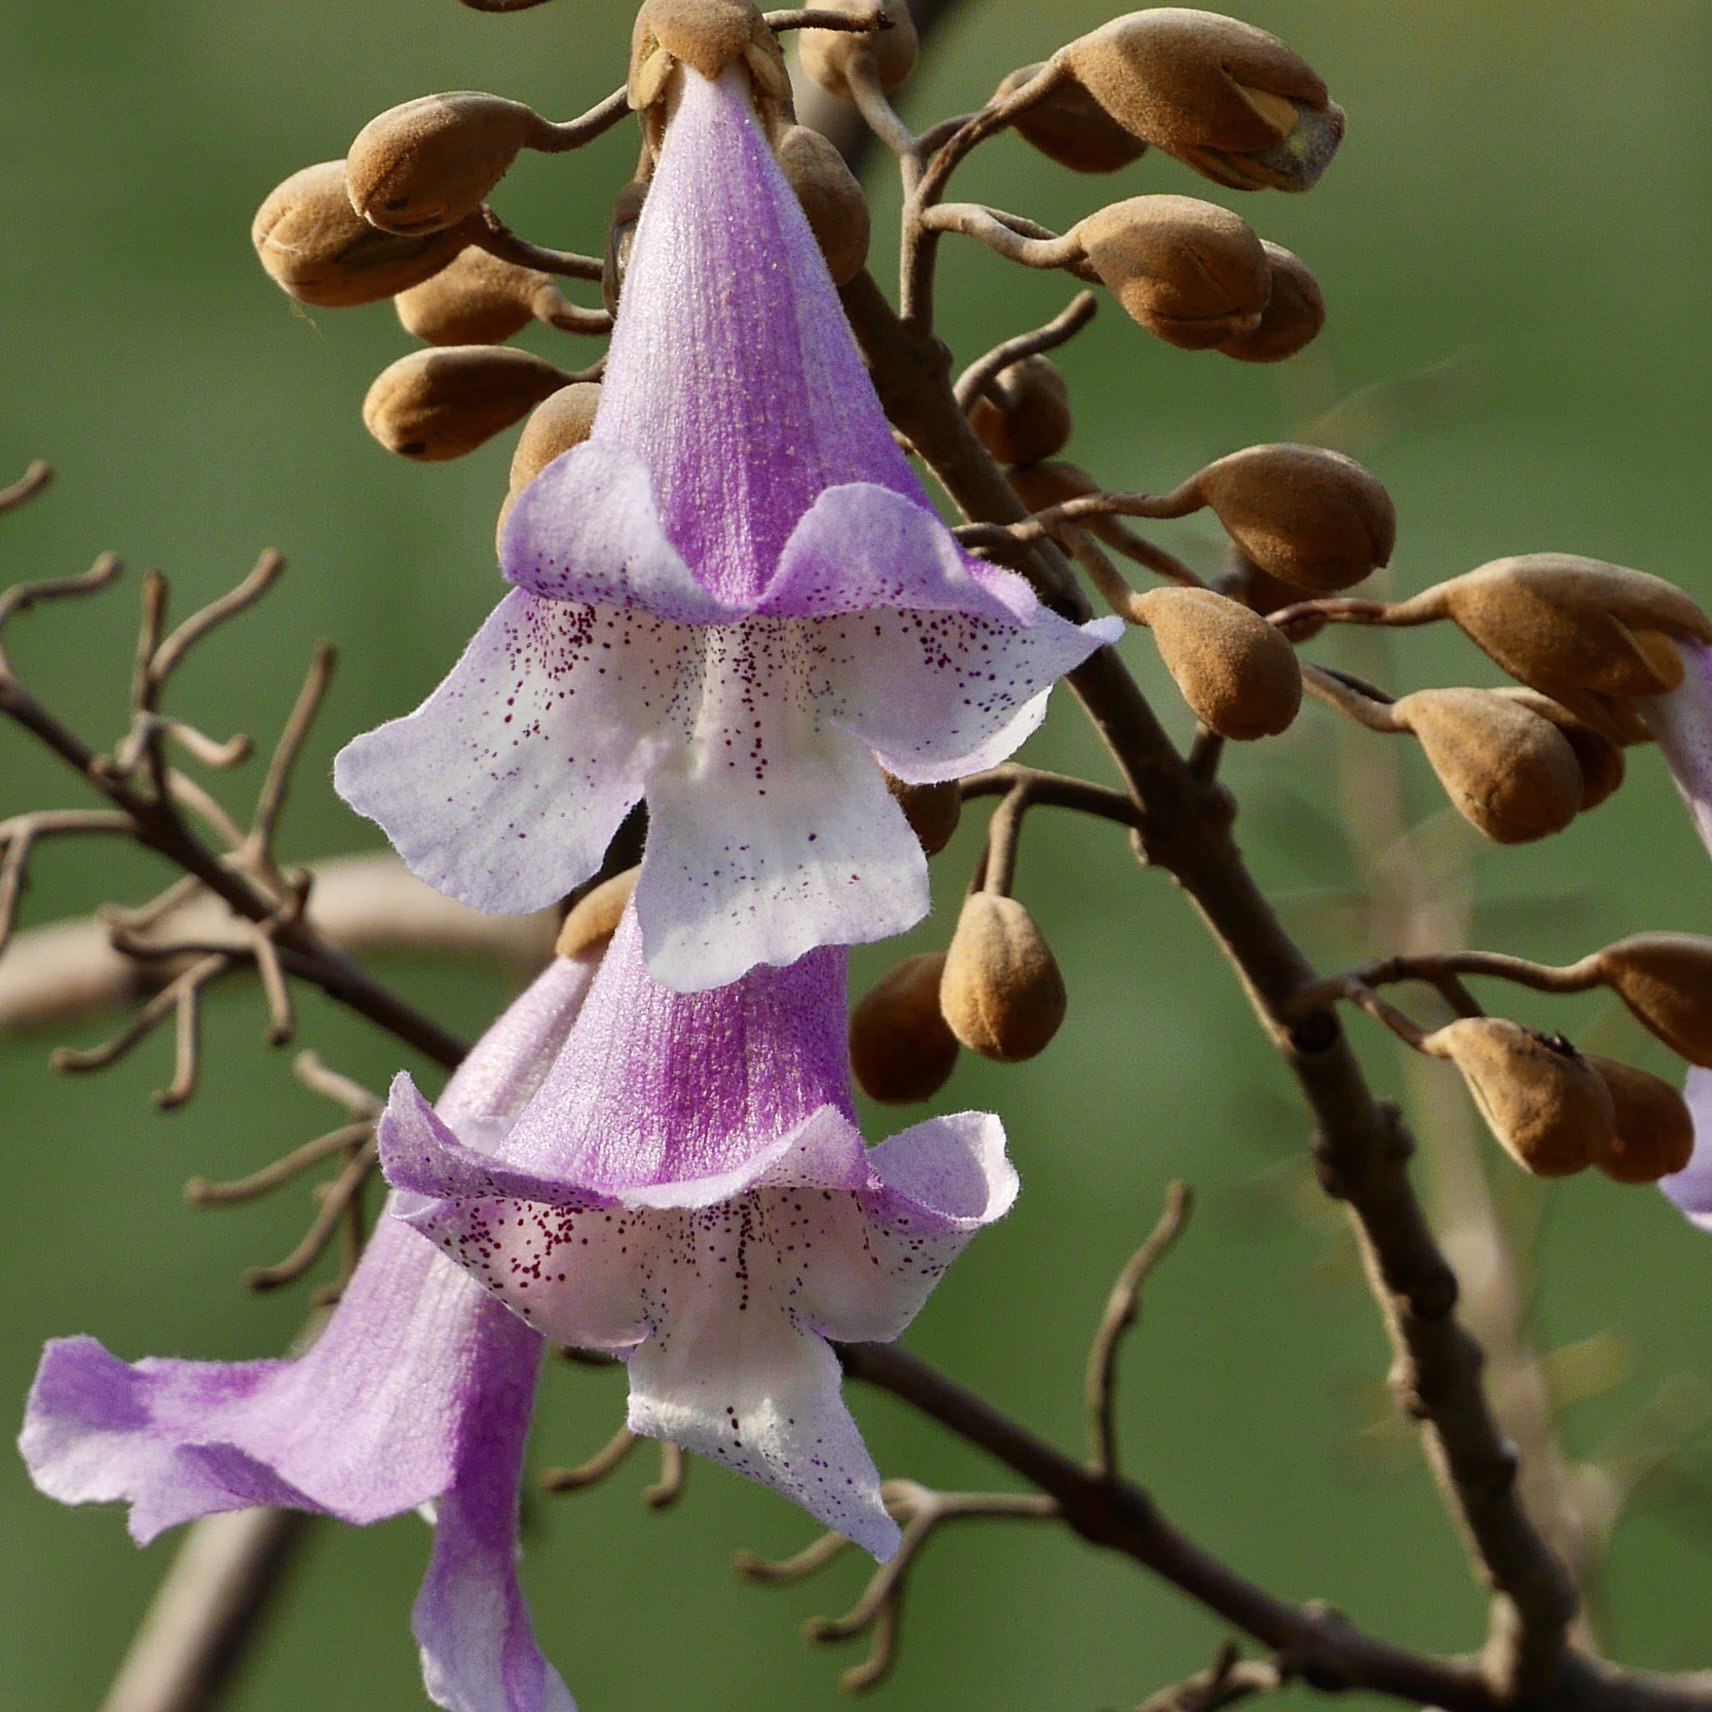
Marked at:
<point>1524,188</point>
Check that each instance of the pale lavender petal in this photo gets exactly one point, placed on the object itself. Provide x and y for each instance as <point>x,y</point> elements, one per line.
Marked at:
<point>1691,1188</point>
<point>733,371</point>
<point>729,1370</point>
<point>478,1644</point>
<point>369,1421</point>
<point>364,1425</point>
<point>587,530</point>
<point>876,1261</point>
<point>505,787</point>
<point>732,878</point>
<point>1682,723</point>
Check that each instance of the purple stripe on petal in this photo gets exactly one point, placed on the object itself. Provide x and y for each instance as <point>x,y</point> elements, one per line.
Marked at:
<point>733,371</point>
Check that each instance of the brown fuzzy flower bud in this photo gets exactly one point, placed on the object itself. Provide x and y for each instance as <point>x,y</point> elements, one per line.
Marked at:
<point>1225,98</point>
<point>317,248</point>
<point>1042,486</point>
<point>708,35</point>
<point>560,422</point>
<point>1599,756</point>
<point>1023,415</point>
<point>1238,674</point>
<point>433,405</point>
<point>1654,1131</point>
<point>1310,517</point>
<point>620,233</point>
<point>430,163</point>
<point>1192,273</point>
<point>1002,993</point>
<point>594,917</point>
<point>831,198</point>
<point>1295,312</point>
<point>477,299</point>
<point>1071,127</point>
<point>826,55</point>
<point>1564,624</point>
<point>901,1049</point>
<point>1507,771</point>
<point>1542,1100</point>
<point>1666,981</point>
<point>933,811</point>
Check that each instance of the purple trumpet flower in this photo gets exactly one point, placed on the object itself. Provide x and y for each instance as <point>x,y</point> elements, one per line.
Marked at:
<point>689,1191</point>
<point>1682,723</point>
<point>417,1392</point>
<point>735,601</point>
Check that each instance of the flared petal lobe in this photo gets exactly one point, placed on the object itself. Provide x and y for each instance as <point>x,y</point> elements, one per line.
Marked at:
<point>1682,723</point>
<point>689,1189</point>
<point>417,1391</point>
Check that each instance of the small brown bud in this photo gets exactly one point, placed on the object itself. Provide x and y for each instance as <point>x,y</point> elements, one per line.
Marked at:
<point>1564,624</point>
<point>1023,415</point>
<point>620,233</point>
<point>1310,517</point>
<point>594,918</point>
<point>826,55</point>
<point>1238,674</point>
<point>1599,756</point>
<point>317,248</point>
<point>1654,1131</point>
<point>560,422</point>
<point>933,811</point>
<point>1042,486</point>
<point>901,1049</point>
<point>1666,981</point>
<point>1542,1100</point>
<point>476,300</point>
<point>430,163</point>
<point>1071,127</point>
<point>708,35</point>
<point>1192,273</point>
<point>1507,771</point>
<point>831,198</point>
<point>1225,98</point>
<point>1295,312</point>
<point>1002,993</point>
<point>433,405</point>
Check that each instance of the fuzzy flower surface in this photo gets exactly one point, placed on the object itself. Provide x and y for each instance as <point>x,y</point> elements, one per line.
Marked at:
<point>417,1392</point>
<point>689,1191</point>
<point>734,601</point>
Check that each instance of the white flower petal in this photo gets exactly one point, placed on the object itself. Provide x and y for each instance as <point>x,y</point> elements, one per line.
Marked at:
<point>729,1371</point>
<point>504,788</point>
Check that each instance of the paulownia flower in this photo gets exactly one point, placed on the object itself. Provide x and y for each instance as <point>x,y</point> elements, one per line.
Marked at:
<point>734,601</point>
<point>689,1190</point>
<point>417,1392</point>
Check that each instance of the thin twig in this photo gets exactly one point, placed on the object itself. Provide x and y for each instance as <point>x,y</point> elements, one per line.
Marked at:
<point>1060,330</point>
<point>339,1195</point>
<point>1122,1307</point>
